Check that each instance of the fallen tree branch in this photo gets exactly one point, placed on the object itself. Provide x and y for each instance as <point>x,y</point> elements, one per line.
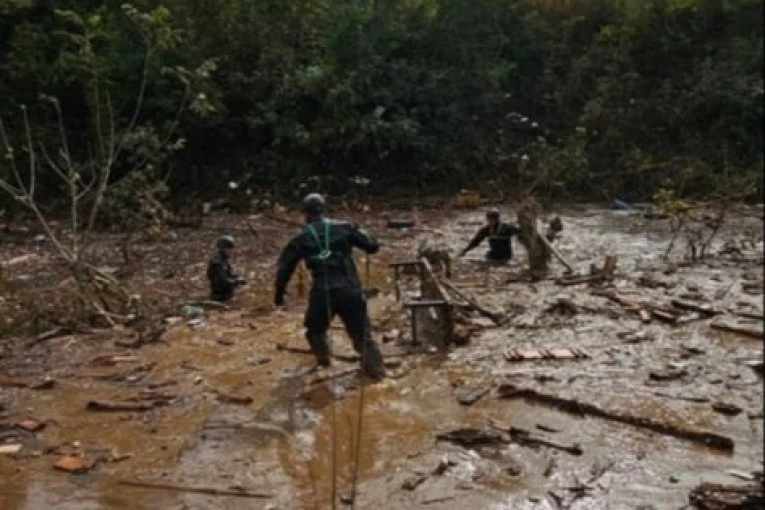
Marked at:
<point>211,491</point>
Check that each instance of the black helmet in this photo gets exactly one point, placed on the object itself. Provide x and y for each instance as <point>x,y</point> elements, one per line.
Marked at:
<point>492,212</point>
<point>225,242</point>
<point>313,203</point>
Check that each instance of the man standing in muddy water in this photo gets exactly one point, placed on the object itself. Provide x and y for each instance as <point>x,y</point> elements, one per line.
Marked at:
<point>326,246</point>
<point>223,281</point>
<point>500,238</point>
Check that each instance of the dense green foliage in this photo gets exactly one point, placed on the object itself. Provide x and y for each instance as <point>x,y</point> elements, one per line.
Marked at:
<point>588,99</point>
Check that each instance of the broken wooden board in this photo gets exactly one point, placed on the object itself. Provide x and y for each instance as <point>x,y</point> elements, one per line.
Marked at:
<point>568,353</point>
<point>709,439</point>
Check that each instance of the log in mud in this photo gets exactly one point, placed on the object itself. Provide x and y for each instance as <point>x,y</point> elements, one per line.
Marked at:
<point>710,439</point>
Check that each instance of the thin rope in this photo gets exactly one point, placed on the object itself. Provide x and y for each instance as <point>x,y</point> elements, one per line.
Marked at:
<point>357,455</point>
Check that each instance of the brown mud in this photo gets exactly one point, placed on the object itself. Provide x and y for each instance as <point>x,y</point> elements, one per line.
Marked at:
<point>281,442</point>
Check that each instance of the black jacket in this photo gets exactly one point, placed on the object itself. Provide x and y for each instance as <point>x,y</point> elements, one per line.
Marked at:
<point>500,241</point>
<point>223,281</point>
<point>326,246</point>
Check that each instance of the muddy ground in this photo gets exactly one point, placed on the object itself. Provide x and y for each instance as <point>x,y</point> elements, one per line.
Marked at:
<point>236,411</point>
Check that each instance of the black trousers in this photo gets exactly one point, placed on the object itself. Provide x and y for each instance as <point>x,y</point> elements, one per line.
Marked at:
<point>351,306</point>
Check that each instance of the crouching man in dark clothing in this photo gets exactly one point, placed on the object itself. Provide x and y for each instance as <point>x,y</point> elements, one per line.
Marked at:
<point>223,281</point>
<point>500,237</point>
<point>326,246</point>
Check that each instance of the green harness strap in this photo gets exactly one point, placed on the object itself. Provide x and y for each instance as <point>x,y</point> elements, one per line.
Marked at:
<point>325,253</point>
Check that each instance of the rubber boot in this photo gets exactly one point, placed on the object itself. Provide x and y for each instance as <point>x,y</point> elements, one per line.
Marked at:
<point>319,348</point>
<point>372,364</point>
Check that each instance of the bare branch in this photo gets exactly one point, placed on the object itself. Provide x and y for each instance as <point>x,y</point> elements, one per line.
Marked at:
<point>52,164</point>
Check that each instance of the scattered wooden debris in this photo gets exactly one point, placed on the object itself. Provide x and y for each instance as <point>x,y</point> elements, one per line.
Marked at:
<point>123,406</point>
<point>746,329</point>
<point>741,475</point>
<point>110,360</point>
<point>709,439</point>
<point>702,308</point>
<point>568,353</point>
<point>413,482</point>
<point>439,499</point>
<point>469,437</point>
<point>695,400</point>
<point>711,496</point>
<point>669,374</point>
<point>524,437</point>
<point>748,314</point>
<point>74,464</point>
<point>226,398</point>
<point>10,449</point>
<point>653,283</point>
<point>726,408</point>
<point>242,493</point>
<point>53,333</point>
<point>46,383</point>
<point>644,310</point>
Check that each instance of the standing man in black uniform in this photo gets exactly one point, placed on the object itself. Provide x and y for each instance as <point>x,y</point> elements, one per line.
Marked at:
<point>223,281</point>
<point>500,238</point>
<point>326,246</point>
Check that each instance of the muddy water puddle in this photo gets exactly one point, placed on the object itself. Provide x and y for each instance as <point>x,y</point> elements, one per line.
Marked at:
<point>291,438</point>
